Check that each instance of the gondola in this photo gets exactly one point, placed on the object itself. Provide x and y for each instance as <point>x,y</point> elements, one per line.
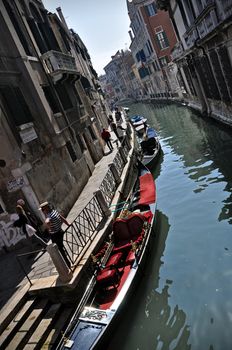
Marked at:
<point>148,140</point>
<point>118,265</point>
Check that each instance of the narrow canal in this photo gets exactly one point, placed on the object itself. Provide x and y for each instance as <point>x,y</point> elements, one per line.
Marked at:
<point>184,299</point>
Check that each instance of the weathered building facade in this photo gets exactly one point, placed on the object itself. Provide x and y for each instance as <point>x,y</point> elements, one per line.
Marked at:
<point>153,38</point>
<point>120,78</point>
<point>51,112</point>
<point>203,53</point>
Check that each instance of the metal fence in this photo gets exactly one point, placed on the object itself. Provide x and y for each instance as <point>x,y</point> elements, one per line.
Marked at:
<point>80,234</point>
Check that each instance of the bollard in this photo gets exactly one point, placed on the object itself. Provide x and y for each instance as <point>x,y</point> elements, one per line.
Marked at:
<point>115,173</point>
<point>65,274</point>
<point>102,202</point>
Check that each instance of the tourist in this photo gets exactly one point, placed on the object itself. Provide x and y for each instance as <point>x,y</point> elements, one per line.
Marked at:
<point>106,137</point>
<point>34,221</point>
<point>23,223</point>
<point>54,221</point>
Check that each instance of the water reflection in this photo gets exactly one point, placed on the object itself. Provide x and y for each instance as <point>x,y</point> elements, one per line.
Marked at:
<point>153,323</point>
<point>185,299</point>
<point>203,147</point>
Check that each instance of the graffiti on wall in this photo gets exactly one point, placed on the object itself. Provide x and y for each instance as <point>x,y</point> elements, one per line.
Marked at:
<point>10,235</point>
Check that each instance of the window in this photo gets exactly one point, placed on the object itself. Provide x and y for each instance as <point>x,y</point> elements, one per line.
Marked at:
<point>92,133</point>
<point>138,56</point>
<point>80,142</point>
<point>23,37</point>
<point>63,96</point>
<point>71,151</point>
<point>15,105</point>
<point>151,9</point>
<point>150,49</point>
<point>163,61</point>
<point>52,100</point>
<point>143,72</point>
<point>162,40</point>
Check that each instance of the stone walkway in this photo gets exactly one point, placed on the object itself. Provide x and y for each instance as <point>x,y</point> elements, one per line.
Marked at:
<point>39,265</point>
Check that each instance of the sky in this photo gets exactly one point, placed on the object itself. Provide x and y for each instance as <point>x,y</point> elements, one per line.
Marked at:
<point>103,26</point>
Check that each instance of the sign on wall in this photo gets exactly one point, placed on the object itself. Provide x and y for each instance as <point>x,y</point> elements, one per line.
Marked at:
<point>15,184</point>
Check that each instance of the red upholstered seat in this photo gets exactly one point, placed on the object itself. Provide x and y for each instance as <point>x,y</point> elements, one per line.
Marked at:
<point>130,258</point>
<point>114,260</point>
<point>108,277</point>
<point>135,224</point>
<point>122,246</point>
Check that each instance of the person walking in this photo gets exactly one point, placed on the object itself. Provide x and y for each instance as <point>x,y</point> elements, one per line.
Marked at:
<point>106,137</point>
<point>23,223</point>
<point>114,128</point>
<point>54,221</point>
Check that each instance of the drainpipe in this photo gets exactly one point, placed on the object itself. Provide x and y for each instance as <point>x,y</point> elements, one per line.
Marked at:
<point>197,46</point>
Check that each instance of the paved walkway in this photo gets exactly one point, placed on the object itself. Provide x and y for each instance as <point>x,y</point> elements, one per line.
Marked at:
<point>40,265</point>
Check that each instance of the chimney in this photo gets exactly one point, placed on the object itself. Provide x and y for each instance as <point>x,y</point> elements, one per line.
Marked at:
<point>131,35</point>
<point>60,13</point>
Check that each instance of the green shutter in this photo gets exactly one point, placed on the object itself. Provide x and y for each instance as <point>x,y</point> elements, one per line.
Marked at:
<point>165,39</point>
<point>158,42</point>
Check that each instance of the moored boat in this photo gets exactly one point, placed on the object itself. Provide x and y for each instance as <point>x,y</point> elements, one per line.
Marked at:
<point>148,140</point>
<point>117,268</point>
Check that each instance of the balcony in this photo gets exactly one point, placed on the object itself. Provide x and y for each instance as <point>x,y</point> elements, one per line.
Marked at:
<point>226,9</point>
<point>207,21</point>
<point>191,36</point>
<point>177,50</point>
<point>57,63</point>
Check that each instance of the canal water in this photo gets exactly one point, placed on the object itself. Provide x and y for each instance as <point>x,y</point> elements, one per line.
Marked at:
<point>184,298</point>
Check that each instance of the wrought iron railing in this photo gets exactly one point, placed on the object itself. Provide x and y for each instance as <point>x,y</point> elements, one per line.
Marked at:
<point>108,186</point>
<point>80,234</point>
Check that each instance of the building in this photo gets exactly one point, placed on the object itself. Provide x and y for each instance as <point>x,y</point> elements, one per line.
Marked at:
<point>51,111</point>
<point>153,38</point>
<point>120,77</point>
<point>203,53</point>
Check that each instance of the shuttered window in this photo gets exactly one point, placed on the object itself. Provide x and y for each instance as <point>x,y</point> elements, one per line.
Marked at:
<point>151,9</point>
<point>162,40</point>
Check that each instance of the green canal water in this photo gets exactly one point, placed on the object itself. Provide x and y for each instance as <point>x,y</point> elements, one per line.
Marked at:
<point>184,298</point>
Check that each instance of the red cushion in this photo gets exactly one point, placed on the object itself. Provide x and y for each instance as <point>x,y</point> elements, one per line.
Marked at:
<point>106,275</point>
<point>130,258</point>
<point>121,247</point>
<point>114,259</point>
<point>147,189</point>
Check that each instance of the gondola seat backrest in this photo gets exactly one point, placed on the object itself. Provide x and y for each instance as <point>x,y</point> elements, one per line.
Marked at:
<point>121,230</point>
<point>128,229</point>
<point>135,224</point>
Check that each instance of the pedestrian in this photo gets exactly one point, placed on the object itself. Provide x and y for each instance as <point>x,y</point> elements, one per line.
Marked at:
<point>54,221</point>
<point>106,137</point>
<point>110,119</point>
<point>114,128</point>
<point>34,221</point>
<point>23,223</point>
<point>118,115</point>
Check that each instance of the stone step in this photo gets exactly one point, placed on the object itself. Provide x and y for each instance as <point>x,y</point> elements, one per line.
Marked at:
<point>40,334</point>
<point>15,323</point>
<point>28,326</point>
<point>58,328</point>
